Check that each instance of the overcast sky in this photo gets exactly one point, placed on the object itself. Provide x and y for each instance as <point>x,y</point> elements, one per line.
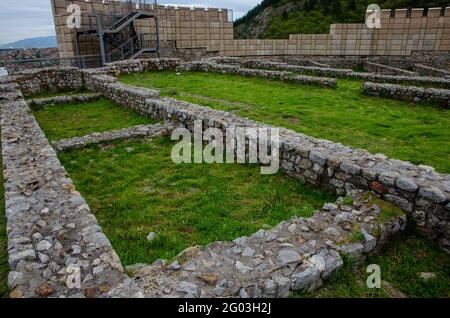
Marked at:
<point>20,19</point>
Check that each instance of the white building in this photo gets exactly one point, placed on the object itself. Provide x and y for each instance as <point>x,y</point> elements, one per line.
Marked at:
<point>3,71</point>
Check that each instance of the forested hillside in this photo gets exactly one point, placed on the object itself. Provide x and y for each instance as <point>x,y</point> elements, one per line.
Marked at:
<point>279,18</point>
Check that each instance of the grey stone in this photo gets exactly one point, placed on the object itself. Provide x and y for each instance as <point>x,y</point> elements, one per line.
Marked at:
<point>248,252</point>
<point>242,268</point>
<point>369,242</point>
<point>14,279</point>
<point>406,184</point>
<point>188,288</point>
<point>14,258</point>
<point>151,236</point>
<point>433,194</point>
<point>287,256</point>
<point>307,280</point>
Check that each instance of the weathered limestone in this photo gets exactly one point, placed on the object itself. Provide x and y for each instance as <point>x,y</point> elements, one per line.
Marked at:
<point>414,94</point>
<point>298,254</point>
<point>76,98</point>
<point>52,234</point>
<point>141,131</point>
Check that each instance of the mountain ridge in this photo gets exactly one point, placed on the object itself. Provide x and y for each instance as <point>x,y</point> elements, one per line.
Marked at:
<point>40,42</point>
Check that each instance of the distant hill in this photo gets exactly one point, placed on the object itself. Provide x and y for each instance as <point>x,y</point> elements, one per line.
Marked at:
<point>279,18</point>
<point>38,42</point>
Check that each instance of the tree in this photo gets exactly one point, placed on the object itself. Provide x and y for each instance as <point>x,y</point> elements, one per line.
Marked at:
<point>325,7</point>
<point>351,5</point>
<point>337,9</point>
<point>307,6</point>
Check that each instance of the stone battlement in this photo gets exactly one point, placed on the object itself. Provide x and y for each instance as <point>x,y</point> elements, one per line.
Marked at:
<point>402,32</point>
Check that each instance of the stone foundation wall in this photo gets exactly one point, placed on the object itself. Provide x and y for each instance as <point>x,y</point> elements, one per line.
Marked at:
<point>347,73</point>
<point>269,74</point>
<point>53,79</point>
<point>426,70</point>
<point>440,97</point>
<point>297,255</point>
<point>386,69</point>
<point>420,191</point>
<point>55,246</point>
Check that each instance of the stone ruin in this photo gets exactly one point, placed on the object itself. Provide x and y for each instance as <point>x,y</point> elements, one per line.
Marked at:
<point>52,231</point>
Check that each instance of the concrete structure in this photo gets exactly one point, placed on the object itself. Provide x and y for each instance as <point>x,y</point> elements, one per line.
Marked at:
<point>402,33</point>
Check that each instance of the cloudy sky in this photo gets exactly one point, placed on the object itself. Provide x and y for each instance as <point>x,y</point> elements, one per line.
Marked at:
<point>21,19</point>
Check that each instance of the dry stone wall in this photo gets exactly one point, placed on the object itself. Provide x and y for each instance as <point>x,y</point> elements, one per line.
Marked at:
<point>414,94</point>
<point>205,66</point>
<point>347,73</point>
<point>140,131</point>
<point>297,255</point>
<point>426,70</point>
<point>52,234</point>
<point>52,79</point>
<point>386,69</point>
<point>80,98</point>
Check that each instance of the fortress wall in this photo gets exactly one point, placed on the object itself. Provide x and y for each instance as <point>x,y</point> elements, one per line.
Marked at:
<point>402,32</point>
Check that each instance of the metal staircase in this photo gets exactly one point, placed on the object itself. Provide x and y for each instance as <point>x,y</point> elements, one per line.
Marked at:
<point>119,36</point>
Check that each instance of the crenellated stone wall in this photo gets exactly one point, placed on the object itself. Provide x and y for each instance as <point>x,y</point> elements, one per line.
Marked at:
<point>402,32</point>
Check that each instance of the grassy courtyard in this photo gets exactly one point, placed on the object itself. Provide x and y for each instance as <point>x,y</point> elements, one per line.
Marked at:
<point>79,119</point>
<point>417,133</point>
<point>134,188</point>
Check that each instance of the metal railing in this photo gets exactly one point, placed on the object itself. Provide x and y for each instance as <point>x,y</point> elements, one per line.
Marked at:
<point>84,61</point>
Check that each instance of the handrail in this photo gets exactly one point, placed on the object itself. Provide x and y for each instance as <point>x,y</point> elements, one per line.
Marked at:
<point>123,44</point>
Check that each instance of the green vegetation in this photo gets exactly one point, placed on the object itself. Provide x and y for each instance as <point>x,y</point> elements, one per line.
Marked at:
<point>284,17</point>
<point>388,210</point>
<point>79,119</point>
<point>401,265</point>
<point>134,188</point>
<point>398,129</point>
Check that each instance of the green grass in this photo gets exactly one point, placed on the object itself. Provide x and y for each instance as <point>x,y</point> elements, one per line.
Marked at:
<point>401,264</point>
<point>416,133</point>
<point>134,188</point>
<point>4,266</point>
<point>79,119</point>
